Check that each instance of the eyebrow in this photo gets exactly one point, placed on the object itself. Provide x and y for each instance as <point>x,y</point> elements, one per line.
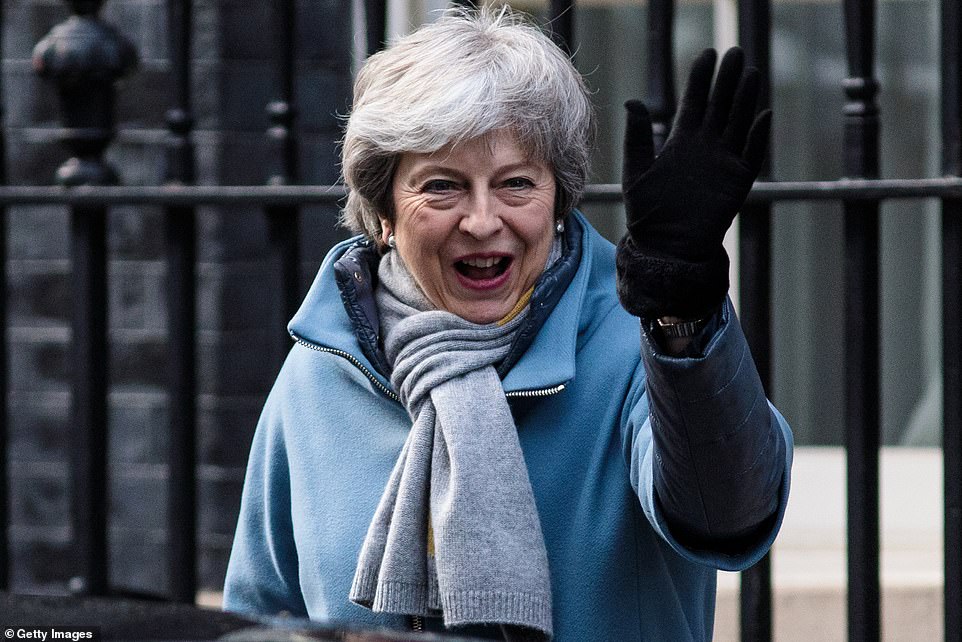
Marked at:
<point>447,170</point>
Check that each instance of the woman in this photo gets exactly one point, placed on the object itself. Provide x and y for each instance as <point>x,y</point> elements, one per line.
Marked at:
<point>466,434</point>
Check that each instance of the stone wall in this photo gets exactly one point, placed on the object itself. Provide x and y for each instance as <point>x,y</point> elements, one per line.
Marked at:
<point>233,79</point>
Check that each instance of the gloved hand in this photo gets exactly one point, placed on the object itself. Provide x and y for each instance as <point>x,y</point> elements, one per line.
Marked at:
<point>671,262</point>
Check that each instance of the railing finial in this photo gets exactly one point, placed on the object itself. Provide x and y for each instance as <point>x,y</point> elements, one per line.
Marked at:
<point>84,57</point>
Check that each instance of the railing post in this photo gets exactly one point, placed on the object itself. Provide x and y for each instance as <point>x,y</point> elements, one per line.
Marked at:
<point>84,57</point>
<point>660,98</point>
<point>755,293</point>
<point>951,312</point>
<point>375,25</point>
<point>861,139</point>
<point>180,250</point>
<point>561,15</point>
<point>4,423</point>
<point>283,221</point>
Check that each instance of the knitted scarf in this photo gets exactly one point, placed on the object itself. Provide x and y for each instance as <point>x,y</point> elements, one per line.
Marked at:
<point>456,532</point>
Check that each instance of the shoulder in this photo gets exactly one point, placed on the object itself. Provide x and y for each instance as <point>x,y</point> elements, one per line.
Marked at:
<point>313,379</point>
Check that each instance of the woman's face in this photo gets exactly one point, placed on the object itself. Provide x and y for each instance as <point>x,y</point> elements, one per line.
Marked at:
<point>474,223</point>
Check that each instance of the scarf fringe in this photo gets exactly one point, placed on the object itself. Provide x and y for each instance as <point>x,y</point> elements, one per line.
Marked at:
<point>458,607</point>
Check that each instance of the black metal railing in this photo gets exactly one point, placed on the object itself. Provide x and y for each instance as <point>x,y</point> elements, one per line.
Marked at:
<point>180,252</point>
<point>282,228</point>
<point>862,412</point>
<point>84,57</point>
<point>4,441</point>
<point>85,82</point>
<point>951,73</point>
<point>755,259</point>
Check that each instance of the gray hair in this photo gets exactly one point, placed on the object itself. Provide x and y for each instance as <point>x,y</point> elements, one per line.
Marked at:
<point>464,76</point>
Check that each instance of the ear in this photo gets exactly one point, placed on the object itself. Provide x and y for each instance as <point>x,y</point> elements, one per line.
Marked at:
<point>385,231</point>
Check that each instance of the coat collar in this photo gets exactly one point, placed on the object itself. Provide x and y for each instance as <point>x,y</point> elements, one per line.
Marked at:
<point>339,314</point>
<point>549,358</point>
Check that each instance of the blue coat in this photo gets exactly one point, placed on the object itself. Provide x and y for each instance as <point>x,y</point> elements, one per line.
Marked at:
<point>331,432</point>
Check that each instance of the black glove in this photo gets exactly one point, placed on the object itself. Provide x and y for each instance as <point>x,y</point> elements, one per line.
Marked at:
<point>678,206</point>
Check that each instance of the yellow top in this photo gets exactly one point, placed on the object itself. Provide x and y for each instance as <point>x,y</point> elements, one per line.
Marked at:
<point>518,307</point>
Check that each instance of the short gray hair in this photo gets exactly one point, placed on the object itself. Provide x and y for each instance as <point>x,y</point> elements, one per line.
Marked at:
<point>468,74</point>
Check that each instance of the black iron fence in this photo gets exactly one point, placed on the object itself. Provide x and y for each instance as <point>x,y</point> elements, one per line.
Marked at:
<point>83,57</point>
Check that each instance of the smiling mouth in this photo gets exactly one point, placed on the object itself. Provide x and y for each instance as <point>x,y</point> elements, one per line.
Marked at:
<point>483,269</point>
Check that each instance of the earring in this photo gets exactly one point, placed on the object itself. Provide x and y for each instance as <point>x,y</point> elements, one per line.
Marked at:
<point>559,227</point>
<point>391,243</point>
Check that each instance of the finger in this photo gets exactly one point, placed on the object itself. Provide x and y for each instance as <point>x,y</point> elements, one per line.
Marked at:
<point>729,75</point>
<point>693,103</point>
<point>743,110</point>
<point>756,146</point>
<point>639,144</point>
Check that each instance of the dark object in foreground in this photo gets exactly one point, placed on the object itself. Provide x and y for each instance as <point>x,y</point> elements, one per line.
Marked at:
<point>124,619</point>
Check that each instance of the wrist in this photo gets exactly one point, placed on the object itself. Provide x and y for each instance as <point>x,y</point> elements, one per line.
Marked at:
<point>677,327</point>
<point>675,334</point>
<point>652,287</point>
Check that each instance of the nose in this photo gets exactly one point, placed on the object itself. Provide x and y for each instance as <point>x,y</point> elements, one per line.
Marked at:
<point>483,218</point>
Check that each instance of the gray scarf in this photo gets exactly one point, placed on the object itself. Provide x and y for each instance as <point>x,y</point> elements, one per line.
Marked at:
<point>456,532</point>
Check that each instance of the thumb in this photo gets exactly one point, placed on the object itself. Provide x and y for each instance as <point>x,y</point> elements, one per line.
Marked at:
<point>639,144</point>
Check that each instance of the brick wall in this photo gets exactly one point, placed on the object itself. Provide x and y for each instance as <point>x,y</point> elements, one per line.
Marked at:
<point>233,79</point>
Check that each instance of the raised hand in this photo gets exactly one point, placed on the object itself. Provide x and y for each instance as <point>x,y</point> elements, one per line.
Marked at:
<point>679,205</point>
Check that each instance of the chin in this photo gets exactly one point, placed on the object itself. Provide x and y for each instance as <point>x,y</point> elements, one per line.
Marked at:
<point>482,315</point>
<point>479,319</point>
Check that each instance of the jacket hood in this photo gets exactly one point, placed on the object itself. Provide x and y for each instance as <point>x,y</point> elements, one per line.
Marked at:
<point>338,316</point>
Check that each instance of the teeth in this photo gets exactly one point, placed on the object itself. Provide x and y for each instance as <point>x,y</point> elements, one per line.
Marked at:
<point>482,263</point>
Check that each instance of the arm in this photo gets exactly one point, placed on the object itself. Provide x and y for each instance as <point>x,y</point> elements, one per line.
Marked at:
<point>709,457</point>
<point>714,473</point>
<point>262,575</point>
<point>721,451</point>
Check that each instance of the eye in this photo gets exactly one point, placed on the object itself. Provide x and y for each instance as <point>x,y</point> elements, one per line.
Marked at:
<point>438,186</point>
<point>518,183</point>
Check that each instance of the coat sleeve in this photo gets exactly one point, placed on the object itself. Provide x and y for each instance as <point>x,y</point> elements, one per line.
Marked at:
<point>262,574</point>
<point>708,455</point>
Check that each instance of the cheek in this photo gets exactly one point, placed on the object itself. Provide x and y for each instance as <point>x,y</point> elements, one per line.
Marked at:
<point>411,222</point>
<point>420,251</point>
<point>539,240</point>
<point>422,245</point>
<point>537,227</point>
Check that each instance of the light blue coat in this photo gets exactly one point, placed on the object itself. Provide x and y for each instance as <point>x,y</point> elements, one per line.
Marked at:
<point>331,432</point>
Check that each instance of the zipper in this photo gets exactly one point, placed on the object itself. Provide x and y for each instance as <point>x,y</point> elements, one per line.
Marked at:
<point>417,624</point>
<point>537,392</point>
<point>354,361</point>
